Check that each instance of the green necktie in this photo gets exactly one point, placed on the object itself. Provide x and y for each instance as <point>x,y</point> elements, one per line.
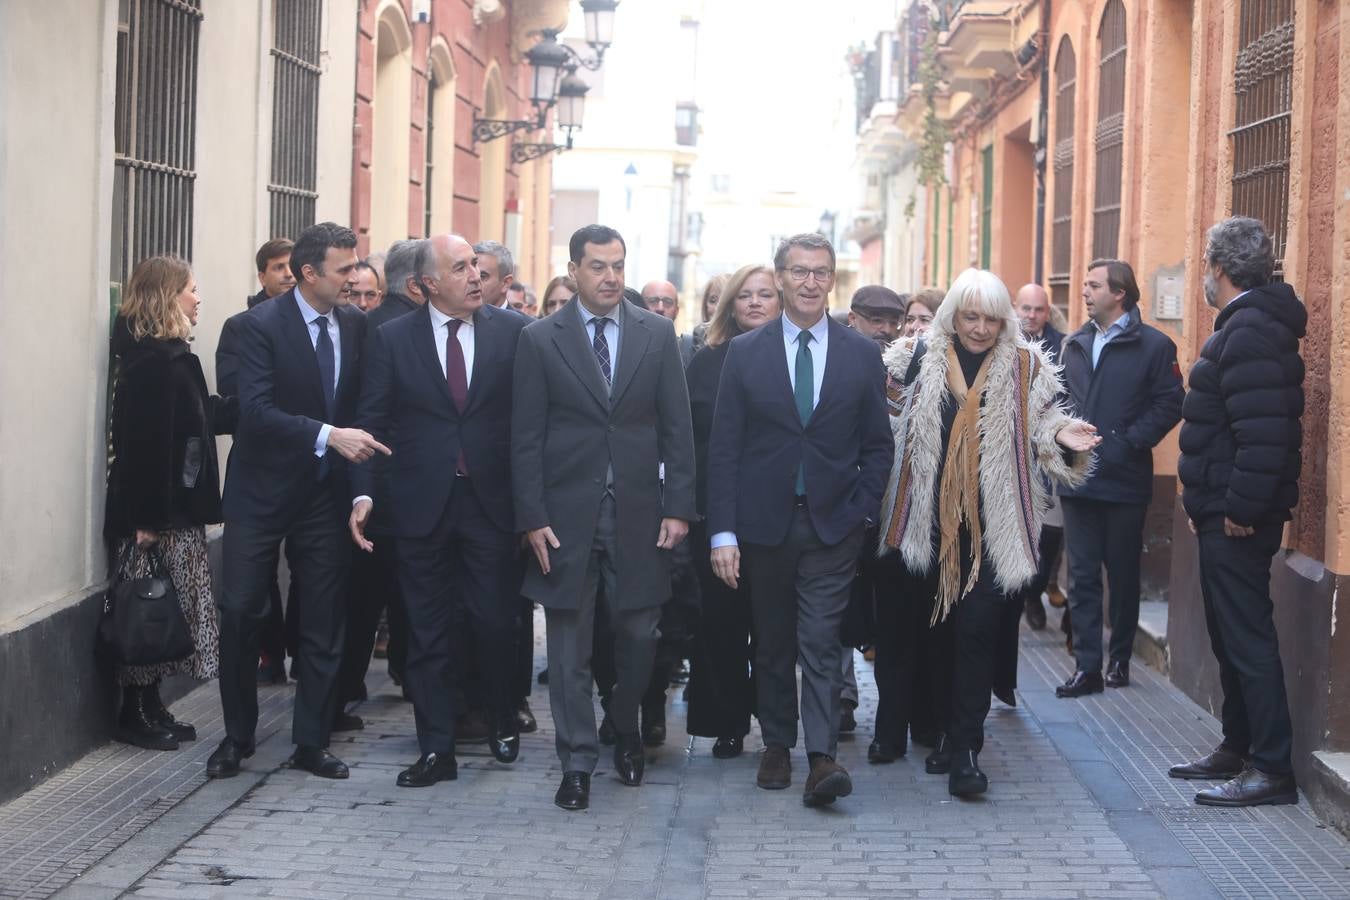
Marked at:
<point>804,391</point>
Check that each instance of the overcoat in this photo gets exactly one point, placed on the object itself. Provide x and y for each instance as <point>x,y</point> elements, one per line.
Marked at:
<point>567,428</point>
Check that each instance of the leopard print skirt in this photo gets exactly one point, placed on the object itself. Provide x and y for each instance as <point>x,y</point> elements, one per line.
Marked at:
<point>183,551</point>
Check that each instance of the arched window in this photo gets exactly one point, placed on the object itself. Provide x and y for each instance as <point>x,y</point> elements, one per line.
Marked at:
<point>1110,136</point>
<point>1061,229</point>
<point>1263,81</point>
<point>437,180</point>
<point>391,127</point>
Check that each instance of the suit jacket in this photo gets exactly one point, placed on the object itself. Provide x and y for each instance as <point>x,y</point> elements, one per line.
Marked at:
<point>406,405</point>
<point>566,431</point>
<point>273,466</point>
<point>758,439</point>
<point>394,306</point>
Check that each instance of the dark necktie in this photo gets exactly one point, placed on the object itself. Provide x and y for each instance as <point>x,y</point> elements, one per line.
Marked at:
<point>602,347</point>
<point>456,376</point>
<point>804,392</point>
<point>323,348</point>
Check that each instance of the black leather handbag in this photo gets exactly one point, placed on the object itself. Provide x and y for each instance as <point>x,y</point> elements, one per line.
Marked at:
<point>142,622</point>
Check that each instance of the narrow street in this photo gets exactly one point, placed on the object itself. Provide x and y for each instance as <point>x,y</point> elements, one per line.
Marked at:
<point>1079,806</point>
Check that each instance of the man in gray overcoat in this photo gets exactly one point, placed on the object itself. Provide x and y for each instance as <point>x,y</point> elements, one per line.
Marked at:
<point>602,462</point>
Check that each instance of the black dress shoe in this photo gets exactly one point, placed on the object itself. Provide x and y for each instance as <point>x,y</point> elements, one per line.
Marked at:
<point>1252,788</point>
<point>318,761</point>
<point>345,721</point>
<point>882,752</point>
<point>966,779</point>
<point>575,791</point>
<point>504,742</point>
<point>628,759</point>
<point>525,719</point>
<point>653,733</point>
<point>939,762</point>
<point>224,762</point>
<point>1117,673</point>
<point>848,723</point>
<point>1005,695</point>
<point>1035,613</point>
<point>1222,765</point>
<point>1080,685</point>
<point>728,747</point>
<point>429,769</point>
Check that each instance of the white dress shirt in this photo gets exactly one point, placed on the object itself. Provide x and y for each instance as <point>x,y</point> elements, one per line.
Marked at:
<point>819,346</point>
<point>1101,337</point>
<point>311,317</point>
<point>440,324</point>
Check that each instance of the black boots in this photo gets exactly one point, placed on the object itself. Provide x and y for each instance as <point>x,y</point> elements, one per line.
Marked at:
<point>137,723</point>
<point>966,779</point>
<point>157,711</point>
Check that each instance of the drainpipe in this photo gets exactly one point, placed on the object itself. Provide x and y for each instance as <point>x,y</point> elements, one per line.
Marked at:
<point>1042,152</point>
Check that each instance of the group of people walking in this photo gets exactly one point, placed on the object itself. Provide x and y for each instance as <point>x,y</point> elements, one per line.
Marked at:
<point>901,465</point>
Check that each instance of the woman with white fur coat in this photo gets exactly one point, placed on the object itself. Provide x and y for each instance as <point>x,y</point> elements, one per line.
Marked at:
<point>966,497</point>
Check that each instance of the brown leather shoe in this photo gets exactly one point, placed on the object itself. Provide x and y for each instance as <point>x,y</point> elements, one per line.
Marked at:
<point>775,769</point>
<point>827,782</point>
<point>1222,765</point>
<point>1055,596</point>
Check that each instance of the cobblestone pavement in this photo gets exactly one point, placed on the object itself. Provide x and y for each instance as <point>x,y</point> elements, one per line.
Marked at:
<point>1079,806</point>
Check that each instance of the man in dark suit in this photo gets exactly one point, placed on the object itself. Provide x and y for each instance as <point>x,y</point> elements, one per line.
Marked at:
<point>1121,375</point>
<point>299,376</point>
<point>600,404</point>
<point>438,388</point>
<point>797,463</point>
<point>374,582</point>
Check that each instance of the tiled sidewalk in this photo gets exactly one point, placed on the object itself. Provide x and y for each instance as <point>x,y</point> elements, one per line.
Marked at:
<point>1079,806</point>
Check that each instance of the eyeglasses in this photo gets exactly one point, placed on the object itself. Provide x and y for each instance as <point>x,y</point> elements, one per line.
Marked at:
<point>801,273</point>
<point>663,301</point>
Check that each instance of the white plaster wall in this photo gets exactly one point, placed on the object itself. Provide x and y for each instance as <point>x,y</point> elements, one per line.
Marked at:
<point>55,184</point>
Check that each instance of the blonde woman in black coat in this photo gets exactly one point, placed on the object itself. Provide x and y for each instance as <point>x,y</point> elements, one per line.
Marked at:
<point>163,484</point>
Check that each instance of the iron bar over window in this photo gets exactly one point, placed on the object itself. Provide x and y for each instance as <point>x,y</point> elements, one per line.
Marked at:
<point>1061,228</point>
<point>1110,136</point>
<point>295,116</point>
<point>429,147</point>
<point>1263,82</point>
<point>154,131</point>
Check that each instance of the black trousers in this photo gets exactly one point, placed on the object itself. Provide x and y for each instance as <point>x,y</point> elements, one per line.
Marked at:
<point>721,680</point>
<point>319,553</point>
<point>1235,585</point>
<point>1005,669</point>
<point>901,612</point>
<point>1112,535</point>
<point>374,588</point>
<point>458,591</point>
<point>523,677</point>
<point>799,591</point>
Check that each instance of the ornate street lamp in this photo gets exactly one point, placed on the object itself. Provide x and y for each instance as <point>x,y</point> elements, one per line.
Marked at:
<point>547,59</point>
<point>571,107</point>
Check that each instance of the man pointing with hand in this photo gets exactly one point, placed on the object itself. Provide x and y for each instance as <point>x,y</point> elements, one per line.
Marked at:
<point>600,411</point>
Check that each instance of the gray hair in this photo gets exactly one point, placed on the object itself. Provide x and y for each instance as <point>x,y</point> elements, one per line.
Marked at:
<point>506,263</point>
<point>808,241</point>
<point>400,264</point>
<point>1241,247</point>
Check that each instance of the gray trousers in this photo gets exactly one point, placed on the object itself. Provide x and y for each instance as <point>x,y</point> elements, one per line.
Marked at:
<point>799,591</point>
<point>570,636</point>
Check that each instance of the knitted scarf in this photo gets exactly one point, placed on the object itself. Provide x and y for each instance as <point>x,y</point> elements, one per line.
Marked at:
<point>959,491</point>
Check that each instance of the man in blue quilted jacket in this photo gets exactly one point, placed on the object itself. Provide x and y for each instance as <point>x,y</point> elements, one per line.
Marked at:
<point>1239,468</point>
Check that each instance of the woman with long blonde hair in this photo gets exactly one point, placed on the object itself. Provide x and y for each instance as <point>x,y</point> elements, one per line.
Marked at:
<point>720,693</point>
<point>163,483</point>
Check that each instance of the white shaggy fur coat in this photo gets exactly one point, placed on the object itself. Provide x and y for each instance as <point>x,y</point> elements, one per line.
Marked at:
<point>1019,419</point>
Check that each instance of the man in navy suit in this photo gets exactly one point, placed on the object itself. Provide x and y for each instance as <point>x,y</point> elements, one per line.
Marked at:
<point>797,464</point>
<point>299,362</point>
<point>438,390</point>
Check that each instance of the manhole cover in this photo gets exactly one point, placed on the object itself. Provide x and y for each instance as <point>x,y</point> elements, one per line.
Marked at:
<point>1203,815</point>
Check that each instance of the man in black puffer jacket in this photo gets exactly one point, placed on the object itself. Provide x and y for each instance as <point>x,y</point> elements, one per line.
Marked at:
<point>1240,462</point>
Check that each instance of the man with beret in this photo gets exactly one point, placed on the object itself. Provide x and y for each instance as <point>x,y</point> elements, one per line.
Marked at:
<point>876,312</point>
